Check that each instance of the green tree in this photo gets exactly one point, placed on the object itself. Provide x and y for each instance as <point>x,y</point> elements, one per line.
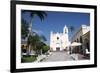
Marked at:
<point>32,14</point>
<point>71,28</point>
<point>45,48</point>
<point>36,43</point>
<point>24,29</point>
<point>40,46</point>
<point>32,42</point>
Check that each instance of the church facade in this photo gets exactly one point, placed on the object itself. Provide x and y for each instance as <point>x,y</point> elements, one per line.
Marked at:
<point>59,41</point>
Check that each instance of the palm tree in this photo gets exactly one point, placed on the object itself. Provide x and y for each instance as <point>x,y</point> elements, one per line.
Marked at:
<point>43,38</point>
<point>41,43</point>
<point>24,29</point>
<point>41,15</point>
<point>33,41</point>
<point>40,46</point>
<point>32,14</point>
<point>71,31</point>
<point>71,28</point>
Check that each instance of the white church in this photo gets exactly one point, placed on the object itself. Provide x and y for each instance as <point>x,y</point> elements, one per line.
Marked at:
<point>59,41</point>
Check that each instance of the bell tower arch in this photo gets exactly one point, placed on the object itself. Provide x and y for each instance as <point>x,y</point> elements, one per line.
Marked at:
<point>65,30</point>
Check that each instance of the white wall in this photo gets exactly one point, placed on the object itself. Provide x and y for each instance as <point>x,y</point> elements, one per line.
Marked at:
<point>5,37</point>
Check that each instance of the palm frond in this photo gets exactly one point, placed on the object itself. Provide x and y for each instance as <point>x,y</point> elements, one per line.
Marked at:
<point>40,14</point>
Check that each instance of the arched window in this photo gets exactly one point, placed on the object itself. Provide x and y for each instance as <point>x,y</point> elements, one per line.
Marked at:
<point>57,38</point>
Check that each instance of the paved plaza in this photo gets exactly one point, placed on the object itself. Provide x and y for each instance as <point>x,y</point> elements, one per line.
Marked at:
<point>58,56</point>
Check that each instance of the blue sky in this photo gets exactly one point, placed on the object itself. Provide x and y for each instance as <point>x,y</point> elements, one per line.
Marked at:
<point>55,21</point>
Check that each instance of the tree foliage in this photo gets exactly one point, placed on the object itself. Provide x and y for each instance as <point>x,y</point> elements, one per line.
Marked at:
<point>24,28</point>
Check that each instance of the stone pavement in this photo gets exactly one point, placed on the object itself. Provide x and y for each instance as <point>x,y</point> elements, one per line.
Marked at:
<point>58,56</point>
<point>78,56</point>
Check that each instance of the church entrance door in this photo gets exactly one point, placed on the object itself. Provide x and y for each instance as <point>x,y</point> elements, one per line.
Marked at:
<point>57,48</point>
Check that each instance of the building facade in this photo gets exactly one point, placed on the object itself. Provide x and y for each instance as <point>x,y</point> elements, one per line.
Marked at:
<point>82,36</point>
<point>86,41</point>
<point>59,41</point>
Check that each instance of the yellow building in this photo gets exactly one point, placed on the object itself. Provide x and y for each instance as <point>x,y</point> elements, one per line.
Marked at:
<point>23,46</point>
<point>86,41</point>
<point>82,36</point>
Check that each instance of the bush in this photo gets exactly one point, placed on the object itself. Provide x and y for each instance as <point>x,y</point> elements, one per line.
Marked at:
<point>28,58</point>
<point>45,49</point>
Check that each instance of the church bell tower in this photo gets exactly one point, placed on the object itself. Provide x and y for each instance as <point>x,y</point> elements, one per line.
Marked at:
<point>65,37</point>
<point>65,30</point>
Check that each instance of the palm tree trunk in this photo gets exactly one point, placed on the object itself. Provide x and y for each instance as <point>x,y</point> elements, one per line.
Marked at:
<point>41,51</point>
<point>28,50</point>
<point>30,33</point>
